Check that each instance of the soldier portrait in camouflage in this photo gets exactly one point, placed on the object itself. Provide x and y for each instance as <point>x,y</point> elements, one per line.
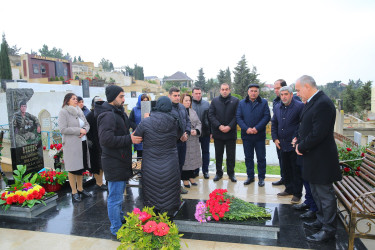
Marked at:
<point>26,127</point>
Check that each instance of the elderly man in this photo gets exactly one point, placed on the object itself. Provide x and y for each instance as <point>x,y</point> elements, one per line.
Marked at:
<point>253,114</point>
<point>285,122</point>
<point>317,146</point>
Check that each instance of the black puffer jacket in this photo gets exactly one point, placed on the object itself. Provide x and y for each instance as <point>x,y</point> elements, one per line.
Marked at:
<point>94,145</point>
<point>160,169</point>
<point>115,141</point>
<point>223,112</point>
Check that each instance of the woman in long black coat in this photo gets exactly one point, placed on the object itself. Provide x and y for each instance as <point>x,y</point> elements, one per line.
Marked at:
<point>160,169</point>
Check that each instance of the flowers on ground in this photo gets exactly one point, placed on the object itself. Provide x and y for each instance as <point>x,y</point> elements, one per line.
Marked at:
<point>52,177</point>
<point>221,205</point>
<point>146,230</point>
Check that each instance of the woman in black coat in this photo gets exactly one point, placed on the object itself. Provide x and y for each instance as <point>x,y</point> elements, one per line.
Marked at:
<point>160,169</point>
<point>94,146</point>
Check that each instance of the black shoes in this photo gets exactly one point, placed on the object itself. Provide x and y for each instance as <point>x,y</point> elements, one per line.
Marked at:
<point>84,193</point>
<point>217,177</point>
<point>248,181</point>
<point>321,236</point>
<point>308,215</point>
<point>206,175</point>
<point>102,187</point>
<point>261,182</point>
<point>233,178</point>
<point>284,194</point>
<point>76,197</point>
<point>301,207</point>
<point>313,225</point>
<point>278,183</point>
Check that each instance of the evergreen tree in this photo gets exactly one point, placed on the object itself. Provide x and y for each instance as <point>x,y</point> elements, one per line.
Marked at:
<point>349,99</point>
<point>241,77</point>
<point>221,77</point>
<point>363,97</point>
<point>80,59</point>
<point>228,77</point>
<point>75,59</point>
<point>201,82</point>
<point>5,69</point>
<point>106,64</point>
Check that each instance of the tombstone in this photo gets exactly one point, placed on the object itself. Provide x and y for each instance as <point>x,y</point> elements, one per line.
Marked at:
<point>145,108</point>
<point>370,139</point>
<point>85,88</point>
<point>24,130</point>
<point>357,138</point>
<point>133,94</point>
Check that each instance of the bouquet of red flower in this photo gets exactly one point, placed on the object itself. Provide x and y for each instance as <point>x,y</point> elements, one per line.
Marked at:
<point>221,205</point>
<point>146,230</point>
<point>56,152</point>
<point>23,192</point>
<point>351,159</point>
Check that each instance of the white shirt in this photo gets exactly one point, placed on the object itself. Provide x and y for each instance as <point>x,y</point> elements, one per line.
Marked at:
<point>312,95</point>
<point>81,124</point>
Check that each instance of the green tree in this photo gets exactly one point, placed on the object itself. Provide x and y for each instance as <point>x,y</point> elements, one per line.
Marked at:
<point>13,51</point>
<point>129,71</point>
<point>168,85</point>
<point>80,59</point>
<point>138,72</point>
<point>5,69</point>
<point>349,99</point>
<point>201,82</point>
<point>241,77</point>
<point>228,77</point>
<point>221,77</point>
<point>363,97</point>
<point>75,59</point>
<point>106,65</point>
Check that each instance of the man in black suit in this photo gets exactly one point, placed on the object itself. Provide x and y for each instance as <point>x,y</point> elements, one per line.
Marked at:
<point>317,146</point>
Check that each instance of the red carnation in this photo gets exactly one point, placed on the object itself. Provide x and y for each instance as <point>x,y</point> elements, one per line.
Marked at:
<point>44,147</point>
<point>348,149</point>
<point>9,200</point>
<point>55,156</point>
<point>42,191</point>
<point>347,169</point>
<point>29,197</point>
<point>35,193</point>
<point>59,146</point>
<point>358,168</point>
<point>51,147</point>
<point>3,195</point>
<point>150,226</point>
<point>356,173</point>
<point>161,229</point>
<point>15,198</point>
<point>21,199</point>
<point>363,155</point>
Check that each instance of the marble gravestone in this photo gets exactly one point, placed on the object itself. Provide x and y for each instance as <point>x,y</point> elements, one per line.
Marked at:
<point>24,130</point>
<point>146,107</point>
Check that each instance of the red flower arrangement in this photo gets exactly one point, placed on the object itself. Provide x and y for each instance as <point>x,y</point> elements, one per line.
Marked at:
<point>217,204</point>
<point>56,152</point>
<point>146,230</point>
<point>52,180</point>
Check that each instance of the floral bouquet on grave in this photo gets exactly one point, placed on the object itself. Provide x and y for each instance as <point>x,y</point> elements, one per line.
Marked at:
<point>52,180</point>
<point>146,230</point>
<point>23,192</point>
<point>56,152</point>
<point>221,205</point>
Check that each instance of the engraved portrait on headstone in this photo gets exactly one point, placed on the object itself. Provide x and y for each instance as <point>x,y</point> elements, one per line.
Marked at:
<point>24,131</point>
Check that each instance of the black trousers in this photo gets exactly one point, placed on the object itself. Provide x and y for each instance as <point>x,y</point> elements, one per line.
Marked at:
<point>325,199</point>
<point>291,173</point>
<point>280,163</point>
<point>230,146</point>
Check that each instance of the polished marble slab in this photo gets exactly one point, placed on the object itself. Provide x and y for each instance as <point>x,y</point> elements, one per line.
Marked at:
<point>89,218</point>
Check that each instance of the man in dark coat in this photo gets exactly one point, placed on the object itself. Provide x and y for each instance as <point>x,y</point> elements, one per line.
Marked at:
<point>285,122</point>
<point>201,107</point>
<point>222,115</point>
<point>253,114</point>
<point>179,111</point>
<point>317,146</point>
<point>160,167</point>
<point>116,143</point>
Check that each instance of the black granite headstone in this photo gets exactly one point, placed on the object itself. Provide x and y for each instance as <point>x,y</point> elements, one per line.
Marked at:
<point>24,131</point>
<point>59,69</point>
<point>85,88</point>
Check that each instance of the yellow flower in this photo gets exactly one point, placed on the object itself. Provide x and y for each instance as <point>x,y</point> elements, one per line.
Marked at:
<point>24,193</point>
<point>30,191</point>
<point>11,194</point>
<point>19,192</point>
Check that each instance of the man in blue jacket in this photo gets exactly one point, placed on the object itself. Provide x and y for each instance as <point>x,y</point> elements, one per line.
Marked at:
<point>285,123</point>
<point>253,114</point>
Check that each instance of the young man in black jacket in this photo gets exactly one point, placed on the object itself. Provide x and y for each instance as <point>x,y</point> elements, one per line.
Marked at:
<point>116,143</point>
<point>222,115</point>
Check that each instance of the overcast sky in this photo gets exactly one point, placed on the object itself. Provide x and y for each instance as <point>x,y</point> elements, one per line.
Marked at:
<point>329,40</point>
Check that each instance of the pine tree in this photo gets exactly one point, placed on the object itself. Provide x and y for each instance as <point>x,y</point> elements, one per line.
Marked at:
<point>201,82</point>
<point>221,77</point>
<point>5,69</point>
<point>363,97</point>
<point>349,99</point>
<point>241,77</point>
<point>228,77</point>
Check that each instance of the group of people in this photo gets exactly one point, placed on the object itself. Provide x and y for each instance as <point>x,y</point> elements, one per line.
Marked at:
<point>173,142</point>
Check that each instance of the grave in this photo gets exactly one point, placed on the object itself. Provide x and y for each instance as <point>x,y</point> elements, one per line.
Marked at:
<point>266,228</point>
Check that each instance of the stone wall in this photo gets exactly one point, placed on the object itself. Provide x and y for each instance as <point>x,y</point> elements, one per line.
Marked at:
<point>120,78</point>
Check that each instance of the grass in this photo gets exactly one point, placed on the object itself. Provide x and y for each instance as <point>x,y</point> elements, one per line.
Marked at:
<point>240,167</point>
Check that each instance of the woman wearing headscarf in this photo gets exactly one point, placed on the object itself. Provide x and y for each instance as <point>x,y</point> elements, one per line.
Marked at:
<point>94,146</point>
<point>160,168</point>
<point>193,158</point>
<point>74,127</point>
<point>135,118</point>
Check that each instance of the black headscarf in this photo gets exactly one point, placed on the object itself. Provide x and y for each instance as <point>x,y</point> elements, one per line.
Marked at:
<point>163,104</point>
